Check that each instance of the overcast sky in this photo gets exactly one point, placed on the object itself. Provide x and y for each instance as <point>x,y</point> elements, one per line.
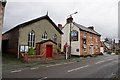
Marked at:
<point>102,14</point>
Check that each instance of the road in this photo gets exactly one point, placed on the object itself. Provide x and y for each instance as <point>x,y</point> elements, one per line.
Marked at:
<point>99,67</point>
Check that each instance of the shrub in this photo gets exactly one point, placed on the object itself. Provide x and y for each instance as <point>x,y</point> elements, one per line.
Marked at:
<point>58,50</point>
<point>31,51</point>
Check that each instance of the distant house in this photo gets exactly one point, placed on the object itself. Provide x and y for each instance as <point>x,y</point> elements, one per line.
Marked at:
<point>84,40</point>
<point>41,30</point>
<point>104,47</point>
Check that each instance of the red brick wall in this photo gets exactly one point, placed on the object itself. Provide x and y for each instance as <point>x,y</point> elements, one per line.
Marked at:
<point>88,41</point>
<point>12,37</point>
<point>41,49</point>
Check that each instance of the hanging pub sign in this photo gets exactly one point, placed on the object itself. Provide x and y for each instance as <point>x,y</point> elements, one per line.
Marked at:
<point>23,48</point>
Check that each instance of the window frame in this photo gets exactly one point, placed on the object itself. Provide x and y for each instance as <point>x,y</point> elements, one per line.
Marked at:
<point>44,36</point>
<point>85,35</point>
<point>97,48</point>
<point>84,48</point>
<point>31,39</point>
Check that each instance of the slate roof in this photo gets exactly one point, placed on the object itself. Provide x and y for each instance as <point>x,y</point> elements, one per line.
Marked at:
<point>35,20</point>
<point>81,27</point>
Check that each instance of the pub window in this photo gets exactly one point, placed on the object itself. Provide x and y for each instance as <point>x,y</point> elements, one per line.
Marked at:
<point>96,48</point>
<point>55,38</point>
<point>31,39</point>
<point>90,37</point>
<point>44,36</point>
<point>74,35</point>
<point>84,48</point>
<point>85,34</point>
<point>96,39</point>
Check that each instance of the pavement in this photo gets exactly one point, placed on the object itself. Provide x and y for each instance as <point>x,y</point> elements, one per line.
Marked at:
<point>91,67</point>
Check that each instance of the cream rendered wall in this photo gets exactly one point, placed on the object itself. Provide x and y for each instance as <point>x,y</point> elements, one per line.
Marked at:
<point>39,28</point>
<point>65,39</point>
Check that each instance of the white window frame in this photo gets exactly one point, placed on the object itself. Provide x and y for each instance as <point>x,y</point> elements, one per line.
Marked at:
<point>44,36</point>
<point>84,47</point>
<point>97,48</point>
<point>31,39</point>
<point>84,34</point>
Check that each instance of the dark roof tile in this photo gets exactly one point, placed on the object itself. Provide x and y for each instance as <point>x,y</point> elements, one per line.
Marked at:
<point>86,29</point>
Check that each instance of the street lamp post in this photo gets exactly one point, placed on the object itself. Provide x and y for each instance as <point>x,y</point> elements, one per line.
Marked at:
<point>70,30</point>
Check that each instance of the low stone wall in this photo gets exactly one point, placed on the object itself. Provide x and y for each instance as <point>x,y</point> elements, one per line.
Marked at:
<point>33,58</point>
<point>37,58</point>
<point>59,56</point>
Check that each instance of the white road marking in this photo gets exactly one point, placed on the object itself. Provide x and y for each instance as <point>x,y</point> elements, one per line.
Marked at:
<point>103,61</point>
<point>109,59</point>
<point>15,71</point>
<point>77,68</point>
<point>34,68</point>
<point>60,64</point>
<point>99,62</point>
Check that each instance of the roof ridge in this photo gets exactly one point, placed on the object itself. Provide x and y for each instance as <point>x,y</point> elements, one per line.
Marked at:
<point>35,20</point>
<point>86,28</point>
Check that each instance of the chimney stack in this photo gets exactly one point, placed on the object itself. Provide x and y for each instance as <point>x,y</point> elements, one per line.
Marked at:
<point>59,26</point>
<point>92,28</point>
<point>69,20</point>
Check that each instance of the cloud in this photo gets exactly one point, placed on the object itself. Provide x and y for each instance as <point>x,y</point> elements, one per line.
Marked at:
<point>102,14</point>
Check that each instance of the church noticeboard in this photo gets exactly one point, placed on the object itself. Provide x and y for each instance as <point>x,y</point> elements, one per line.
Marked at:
<point>23,48</point>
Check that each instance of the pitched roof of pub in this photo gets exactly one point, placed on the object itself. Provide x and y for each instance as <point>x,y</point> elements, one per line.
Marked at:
<point>81,27</point>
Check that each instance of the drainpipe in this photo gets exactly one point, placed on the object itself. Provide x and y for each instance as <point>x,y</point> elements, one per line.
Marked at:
<point>18,55</point>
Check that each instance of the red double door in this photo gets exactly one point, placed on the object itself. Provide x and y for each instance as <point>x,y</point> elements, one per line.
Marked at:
<point>48,51</point>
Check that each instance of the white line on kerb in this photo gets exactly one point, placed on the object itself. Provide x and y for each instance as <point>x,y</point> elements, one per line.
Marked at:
<point>53,65</point>
<point>16,71</point>
<point>77,68</point>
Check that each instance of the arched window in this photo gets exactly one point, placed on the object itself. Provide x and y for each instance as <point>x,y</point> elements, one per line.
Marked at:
<point>74,35</point>
<point>31,39</point>
<point>55,38</point>
<point>44,36</point>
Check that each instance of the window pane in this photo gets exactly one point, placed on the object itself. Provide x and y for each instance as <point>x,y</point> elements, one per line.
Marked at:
<point>31,39</point>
